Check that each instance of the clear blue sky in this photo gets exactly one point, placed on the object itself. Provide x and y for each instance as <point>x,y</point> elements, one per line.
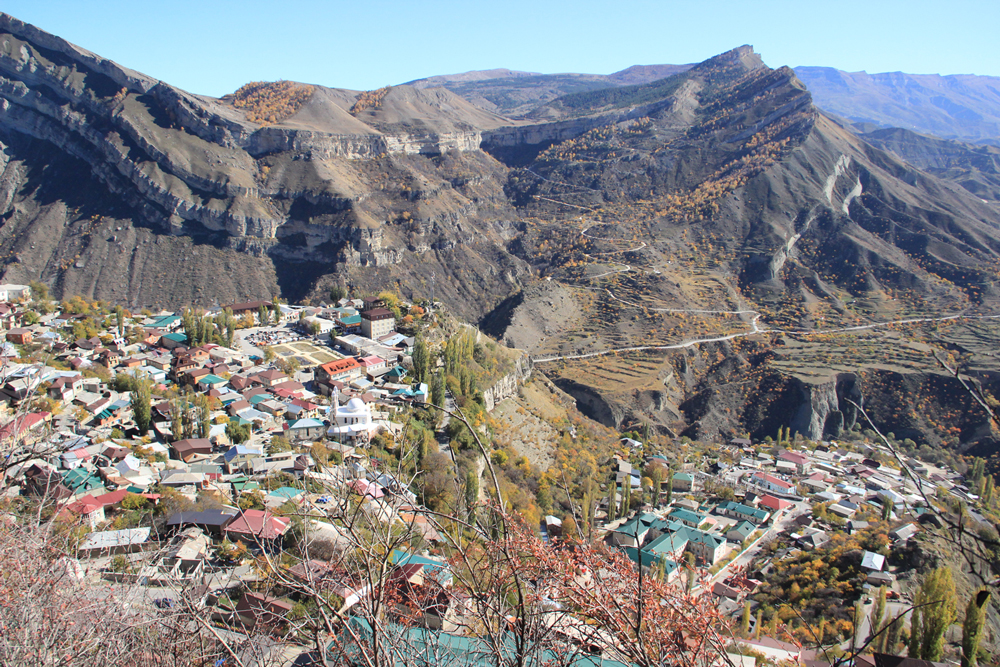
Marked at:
<point>214,46</point>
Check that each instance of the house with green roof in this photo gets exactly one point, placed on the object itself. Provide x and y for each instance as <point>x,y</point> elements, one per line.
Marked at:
<point>705,546</point>
<point>172,340</point>
<point>740,531</point>
<point>438,569</point>
<point>81,481</point>
<point>687,517</point>
<point>165,322</point>
<point>211,381</point>
<point>743,512</point>
<point>422,646</point>
<point>682,481</point>
<point>670,545</point>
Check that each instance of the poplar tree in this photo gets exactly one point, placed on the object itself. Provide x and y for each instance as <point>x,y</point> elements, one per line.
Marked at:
<point>140,400</point>
<point>938,595</point>
<point>972,628</point>
<point>878,614</point>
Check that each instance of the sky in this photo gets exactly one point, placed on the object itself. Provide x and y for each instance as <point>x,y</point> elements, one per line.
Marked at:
<point>212,47</point>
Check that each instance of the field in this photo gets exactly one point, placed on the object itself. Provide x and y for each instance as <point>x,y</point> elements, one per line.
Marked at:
<point>306,353</point>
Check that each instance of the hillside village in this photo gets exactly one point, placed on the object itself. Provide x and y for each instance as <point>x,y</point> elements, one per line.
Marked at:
<point>261,450</point>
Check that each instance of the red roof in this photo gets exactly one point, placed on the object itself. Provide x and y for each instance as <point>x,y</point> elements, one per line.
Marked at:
<point>793,457</point>
<point>21,424</point>
<point>773,504</point>
<point>85,505</point>
<point>340,365</point>
<point>771,479</point>
<point>259,523</point>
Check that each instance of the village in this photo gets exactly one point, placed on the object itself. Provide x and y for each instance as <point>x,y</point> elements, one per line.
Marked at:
<point>260,451</point>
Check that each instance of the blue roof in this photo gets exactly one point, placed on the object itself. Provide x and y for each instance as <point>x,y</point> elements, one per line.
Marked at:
<point>239,450</point>
<point>176,337</point>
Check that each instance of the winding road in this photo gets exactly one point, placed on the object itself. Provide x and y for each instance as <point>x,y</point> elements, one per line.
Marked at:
<point>754,329</point>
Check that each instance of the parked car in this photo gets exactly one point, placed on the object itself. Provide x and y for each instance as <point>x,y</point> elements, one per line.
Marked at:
<point>164,603</point>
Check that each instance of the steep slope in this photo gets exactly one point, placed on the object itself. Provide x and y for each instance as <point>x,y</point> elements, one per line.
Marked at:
<point>346,184</point>
<point>700,234</point>
<point>961,106</point>
<point>975,168</point>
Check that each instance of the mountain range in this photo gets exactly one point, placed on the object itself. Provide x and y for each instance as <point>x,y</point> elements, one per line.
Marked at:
<point>699,247</point>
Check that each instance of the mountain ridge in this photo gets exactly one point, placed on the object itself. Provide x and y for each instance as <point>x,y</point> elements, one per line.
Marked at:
<point>693,232</point>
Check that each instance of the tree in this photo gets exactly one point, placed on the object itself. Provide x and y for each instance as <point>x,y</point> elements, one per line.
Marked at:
<point>421,360</point>
<point>877,616</point>
<point>140,401</point>
<point>263,316</point>
<point>937,594</point>
<point>120,319</point>
<point>337,292</point>
<point>887,507</point>
<point>972,628</point>
<point>438,389</point>
<point>745,620</point>
<point>237,433</point>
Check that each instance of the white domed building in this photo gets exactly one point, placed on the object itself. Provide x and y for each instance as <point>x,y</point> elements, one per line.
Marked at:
<point>350,424</point>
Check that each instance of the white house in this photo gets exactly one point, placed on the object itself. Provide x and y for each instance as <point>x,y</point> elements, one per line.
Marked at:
<point>12,292</point>
<point>350,423</point>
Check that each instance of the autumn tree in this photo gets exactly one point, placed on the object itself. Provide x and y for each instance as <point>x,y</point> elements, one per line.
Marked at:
<point>972,627</point>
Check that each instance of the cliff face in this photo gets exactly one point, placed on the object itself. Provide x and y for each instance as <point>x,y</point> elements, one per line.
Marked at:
<point>327,192</point>
<point>506,387</point>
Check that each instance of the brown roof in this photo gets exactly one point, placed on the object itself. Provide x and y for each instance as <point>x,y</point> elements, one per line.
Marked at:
<point>376,314</point>
<point>192,446</point>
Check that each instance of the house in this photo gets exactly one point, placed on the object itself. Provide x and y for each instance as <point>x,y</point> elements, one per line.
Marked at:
<point>20,336</point>
<point>269,378</point>
<point>81,481</point>
<point>251,308</point>
<point>771,483</point>
<point>904,532</point>
<point>240,458</point>
<point>682,481</point>
<point>255,609</point>
<point>14,292</point>
<point>108,542</point>
<point>189,448</point>
<point>172,340</point>
<point>351,423</point>
<point>377,322</point>
<point>705,546</point>
<point>305,429</point>
<point>773,504</point>
<point>258,527</point>
<point>687,517</point>
<point>872,561</point>
<point>88,509</point>
<point>213,521</point>
<point>339,370</point>
<point>743,512</point>
<point>740,532</point>
<point>185,555</point>
<point>65,388</point>
<point>775,650</point>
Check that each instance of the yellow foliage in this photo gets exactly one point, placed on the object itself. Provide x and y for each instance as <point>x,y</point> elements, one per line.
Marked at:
<point>269,102</point>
